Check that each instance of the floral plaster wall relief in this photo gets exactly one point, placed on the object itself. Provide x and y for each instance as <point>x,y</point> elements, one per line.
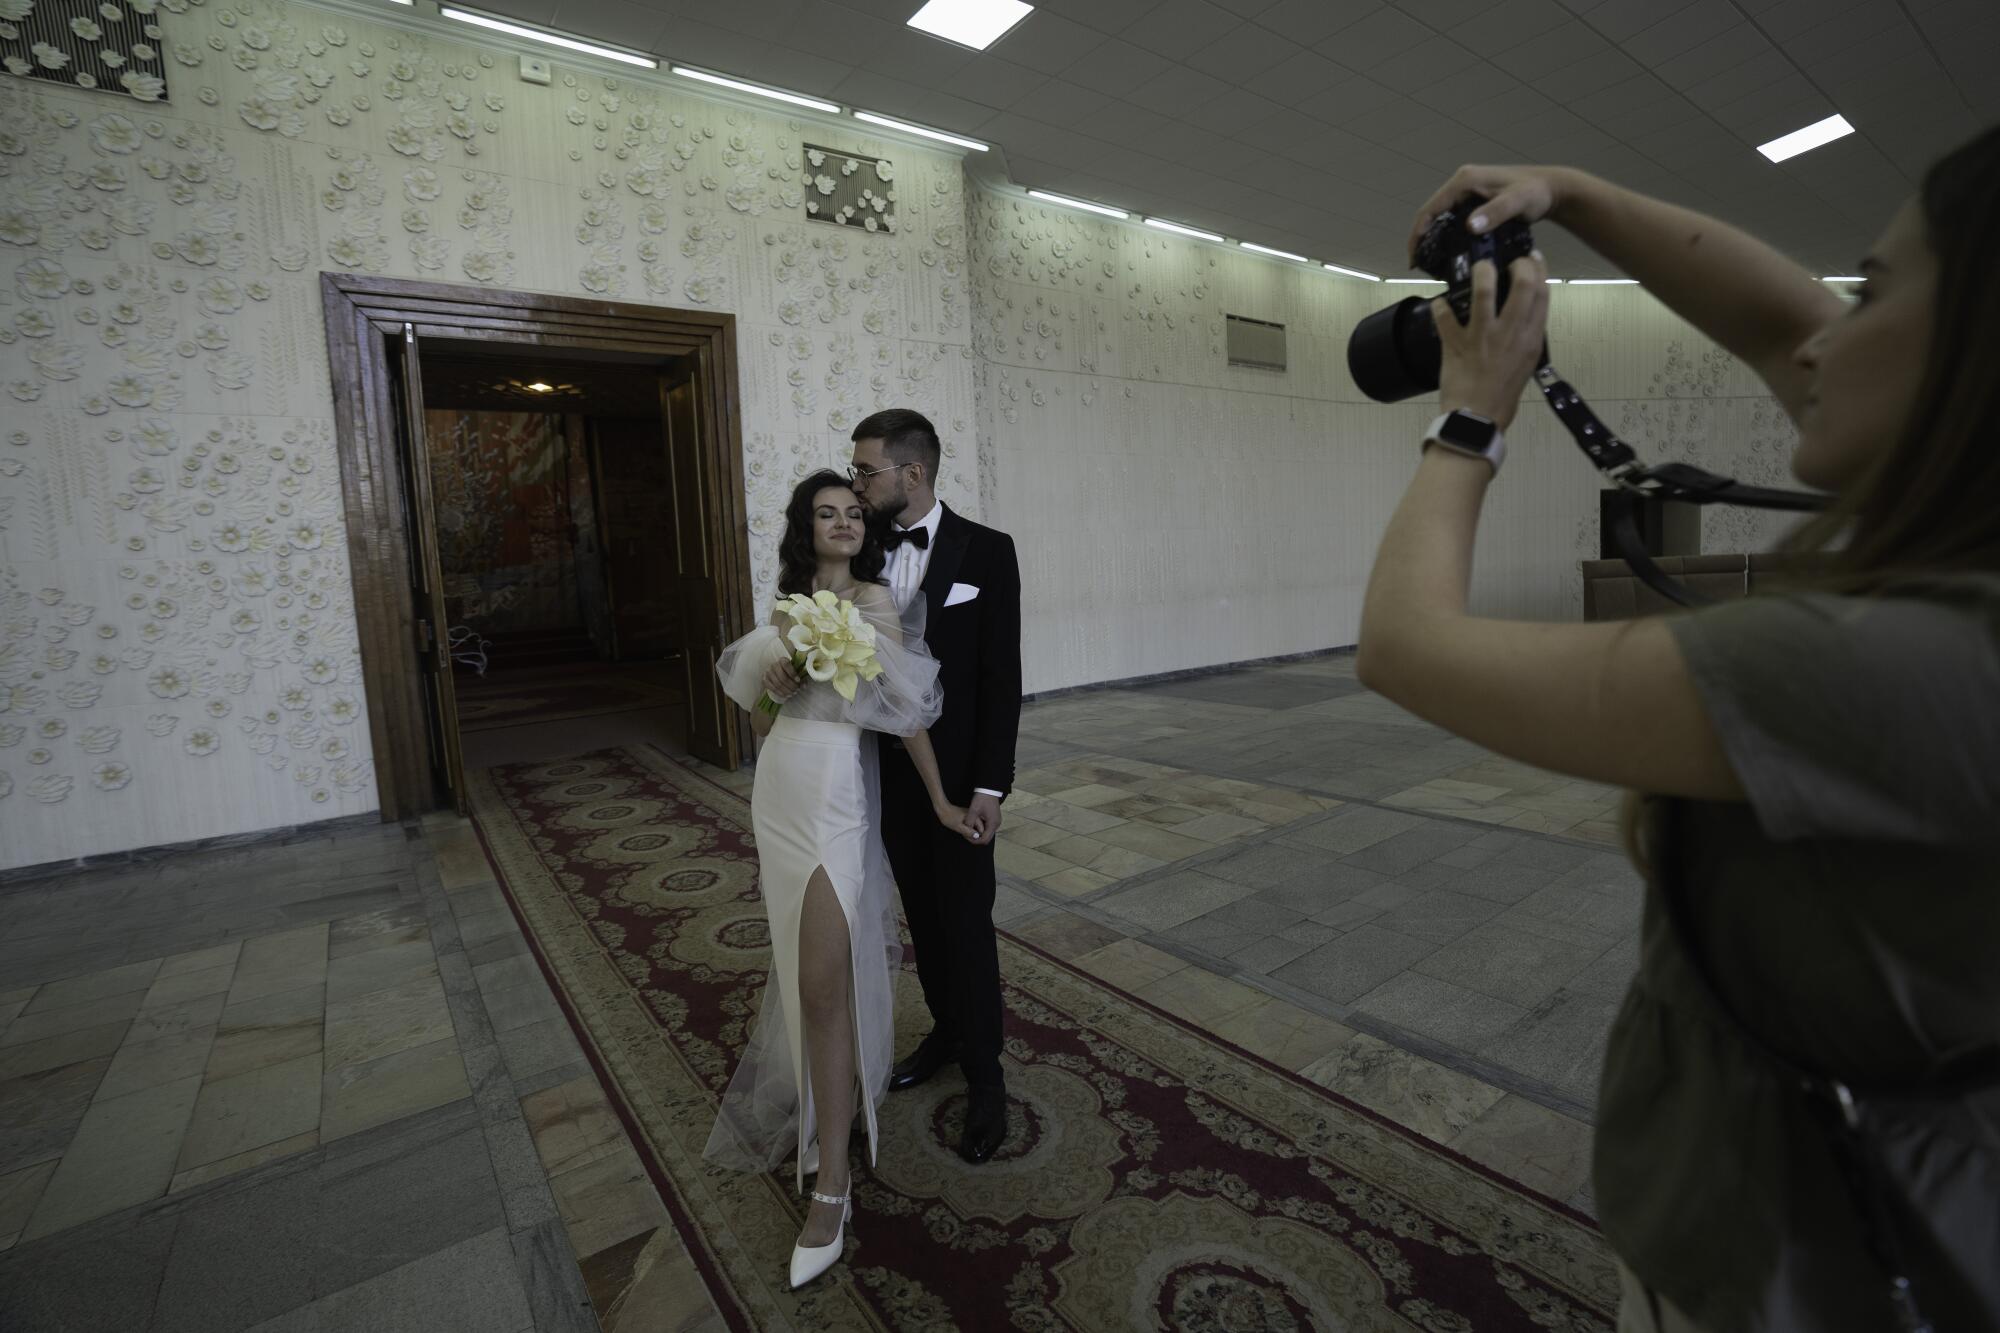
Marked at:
<point>178,644</point>
<point>113,46</point>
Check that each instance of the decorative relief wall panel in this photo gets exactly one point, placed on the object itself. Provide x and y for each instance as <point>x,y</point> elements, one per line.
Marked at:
<point>178,654</point>
<point>110,47</point>
<point>1173,512</point>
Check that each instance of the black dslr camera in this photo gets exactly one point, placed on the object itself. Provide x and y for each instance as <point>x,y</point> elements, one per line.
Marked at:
<point>1394,353</point>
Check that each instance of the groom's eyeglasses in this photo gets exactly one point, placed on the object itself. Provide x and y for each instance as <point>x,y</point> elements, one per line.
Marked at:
<point>855,474</point>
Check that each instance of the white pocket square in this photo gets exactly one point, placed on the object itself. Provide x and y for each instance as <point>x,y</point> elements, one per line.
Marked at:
<point>961,592</point>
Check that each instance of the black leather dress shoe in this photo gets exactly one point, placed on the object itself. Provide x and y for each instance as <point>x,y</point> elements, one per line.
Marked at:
<point>985,1124</point>
<point>918,1066</point>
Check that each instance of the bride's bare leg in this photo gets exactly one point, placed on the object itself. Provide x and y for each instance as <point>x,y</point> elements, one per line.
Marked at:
<point>826,1002</point>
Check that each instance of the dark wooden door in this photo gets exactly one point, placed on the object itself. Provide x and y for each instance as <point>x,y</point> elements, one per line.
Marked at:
<point>712,719</point>
<point>427,580</point>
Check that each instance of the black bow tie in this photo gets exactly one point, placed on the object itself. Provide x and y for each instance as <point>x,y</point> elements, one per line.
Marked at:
<point>917,537</point>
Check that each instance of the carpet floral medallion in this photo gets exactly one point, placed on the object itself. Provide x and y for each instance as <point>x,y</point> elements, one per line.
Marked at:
<point>1154,1177</point>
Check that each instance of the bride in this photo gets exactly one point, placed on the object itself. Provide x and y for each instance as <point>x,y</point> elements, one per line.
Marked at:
<point>816,812</point>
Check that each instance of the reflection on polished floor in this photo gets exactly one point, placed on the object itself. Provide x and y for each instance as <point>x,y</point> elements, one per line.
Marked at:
<point>321,1083</point>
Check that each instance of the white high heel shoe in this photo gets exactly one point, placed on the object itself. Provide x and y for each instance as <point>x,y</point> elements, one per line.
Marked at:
<point>808,1262</point>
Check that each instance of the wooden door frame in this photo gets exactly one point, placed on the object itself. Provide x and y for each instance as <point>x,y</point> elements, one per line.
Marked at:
<point>359,311</point>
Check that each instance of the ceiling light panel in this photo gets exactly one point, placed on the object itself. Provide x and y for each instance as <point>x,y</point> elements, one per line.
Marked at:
<point>758,90</point>
<point>1275,254</point>
<point>974,23</point>
<point>1807,139</point>
<point>1179,230</point>
<point>906,127</point>
<point>546,38</point>
<point>1084,204</point>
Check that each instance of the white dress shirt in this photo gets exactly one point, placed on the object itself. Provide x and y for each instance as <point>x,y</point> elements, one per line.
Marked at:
<point>908,565</point>
<point>906,569</point>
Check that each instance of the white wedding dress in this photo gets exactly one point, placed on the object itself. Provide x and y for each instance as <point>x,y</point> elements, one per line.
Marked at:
<point>817,802</point>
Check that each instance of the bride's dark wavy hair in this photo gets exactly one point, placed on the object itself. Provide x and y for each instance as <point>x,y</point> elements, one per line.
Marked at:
<point>798,562</point>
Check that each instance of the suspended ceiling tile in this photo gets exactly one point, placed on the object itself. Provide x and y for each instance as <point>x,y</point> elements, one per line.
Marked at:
<point>994,82</point>
<point>1179,91</point>
<point>1106,16</point>
<point>1235,111</point>
<point>614,22</point>
<point>1177,29</point>
<point>1117,67</point>
<point>1048,42</point>
<point>1244,53</point>
<point>1309,22</point>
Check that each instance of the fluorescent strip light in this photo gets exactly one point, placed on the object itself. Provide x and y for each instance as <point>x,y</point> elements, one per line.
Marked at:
<point>1180,230</point>
<point>1275,254</point>
<point>907,128</point>
<point>1843,279</point>
<point>1432,281</point>
<point>974,23</point>
<point>547,38</point>
<point>757,90</point>
<point>1084,204</point>
<point>1553,282</point>
<point>1603,282</point>
<point>1350,272</point>
<point>1807,139</point>
<point>404,2</point>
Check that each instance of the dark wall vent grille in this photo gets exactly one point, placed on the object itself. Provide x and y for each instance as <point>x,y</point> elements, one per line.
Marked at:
<point>1256,343</point>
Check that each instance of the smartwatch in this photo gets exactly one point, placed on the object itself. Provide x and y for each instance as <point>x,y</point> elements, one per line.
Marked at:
<point>1470,434</point>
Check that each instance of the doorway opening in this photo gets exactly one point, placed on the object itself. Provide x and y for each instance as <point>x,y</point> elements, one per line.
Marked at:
<point>556,542</point>
<point>545,518</point>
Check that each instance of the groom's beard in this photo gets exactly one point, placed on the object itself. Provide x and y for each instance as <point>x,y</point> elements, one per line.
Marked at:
<point>894,507</point>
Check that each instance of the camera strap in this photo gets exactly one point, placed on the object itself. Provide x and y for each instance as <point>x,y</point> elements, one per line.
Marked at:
<point>1666,481</point>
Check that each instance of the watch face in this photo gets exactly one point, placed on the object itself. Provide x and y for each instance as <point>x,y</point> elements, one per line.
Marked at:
<point>1463,431</point>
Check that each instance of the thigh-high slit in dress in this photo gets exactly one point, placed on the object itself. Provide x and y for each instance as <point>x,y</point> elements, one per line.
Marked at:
<point>816,804</point>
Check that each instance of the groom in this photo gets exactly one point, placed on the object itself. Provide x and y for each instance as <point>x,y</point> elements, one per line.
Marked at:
<point>968,577</point>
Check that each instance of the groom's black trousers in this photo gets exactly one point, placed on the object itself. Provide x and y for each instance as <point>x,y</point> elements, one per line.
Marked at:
<point>947,885</point>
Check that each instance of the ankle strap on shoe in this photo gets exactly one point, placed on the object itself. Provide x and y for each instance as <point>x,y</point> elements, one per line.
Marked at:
<point>830,1198</point>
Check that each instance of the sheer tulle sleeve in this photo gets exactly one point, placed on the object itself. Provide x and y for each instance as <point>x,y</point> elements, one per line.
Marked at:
<point>743,663</point>
<point>905,699</point>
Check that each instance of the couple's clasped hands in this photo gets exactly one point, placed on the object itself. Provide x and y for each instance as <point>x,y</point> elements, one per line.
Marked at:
<point>977,823</point>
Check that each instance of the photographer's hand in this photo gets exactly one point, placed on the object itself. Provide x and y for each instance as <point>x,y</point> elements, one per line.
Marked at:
<point>1487,361</point>
<point>1739,291</point>
<point>1527,193</point>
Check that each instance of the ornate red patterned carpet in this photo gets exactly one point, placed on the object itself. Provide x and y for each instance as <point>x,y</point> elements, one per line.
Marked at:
<point>1155,1177</point>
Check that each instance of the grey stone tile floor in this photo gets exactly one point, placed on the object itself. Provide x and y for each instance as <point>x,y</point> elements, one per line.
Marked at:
<point>1454,904</point>
<point>318,1084</point>
<point>263,1087</point>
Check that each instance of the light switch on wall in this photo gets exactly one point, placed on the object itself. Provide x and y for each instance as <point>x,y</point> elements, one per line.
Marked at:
<point>534,69</point>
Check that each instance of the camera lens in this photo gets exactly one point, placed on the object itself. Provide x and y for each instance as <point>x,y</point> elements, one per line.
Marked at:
<point>1394,353</point>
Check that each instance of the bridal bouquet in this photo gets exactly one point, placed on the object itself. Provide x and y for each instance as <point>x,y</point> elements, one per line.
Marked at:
<point>831,640</point>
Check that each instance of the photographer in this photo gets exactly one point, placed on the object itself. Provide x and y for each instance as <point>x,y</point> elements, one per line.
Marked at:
<point>1821,769</point>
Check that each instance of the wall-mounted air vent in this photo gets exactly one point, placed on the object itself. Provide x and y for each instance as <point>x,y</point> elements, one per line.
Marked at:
<point>1257,343</point>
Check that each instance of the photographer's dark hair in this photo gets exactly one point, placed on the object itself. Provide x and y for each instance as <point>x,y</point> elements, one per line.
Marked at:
<point>798,562</point>
<point>907,437</point>
<point>1928,505</point>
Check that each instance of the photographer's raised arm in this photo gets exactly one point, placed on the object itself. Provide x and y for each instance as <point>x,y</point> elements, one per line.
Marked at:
<point>1739,291</point>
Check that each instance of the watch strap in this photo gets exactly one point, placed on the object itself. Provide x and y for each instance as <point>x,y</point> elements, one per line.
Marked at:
<point>1469,434</point>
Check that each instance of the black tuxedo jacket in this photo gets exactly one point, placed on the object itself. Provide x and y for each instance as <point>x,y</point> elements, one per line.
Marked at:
<point>977,643</point>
